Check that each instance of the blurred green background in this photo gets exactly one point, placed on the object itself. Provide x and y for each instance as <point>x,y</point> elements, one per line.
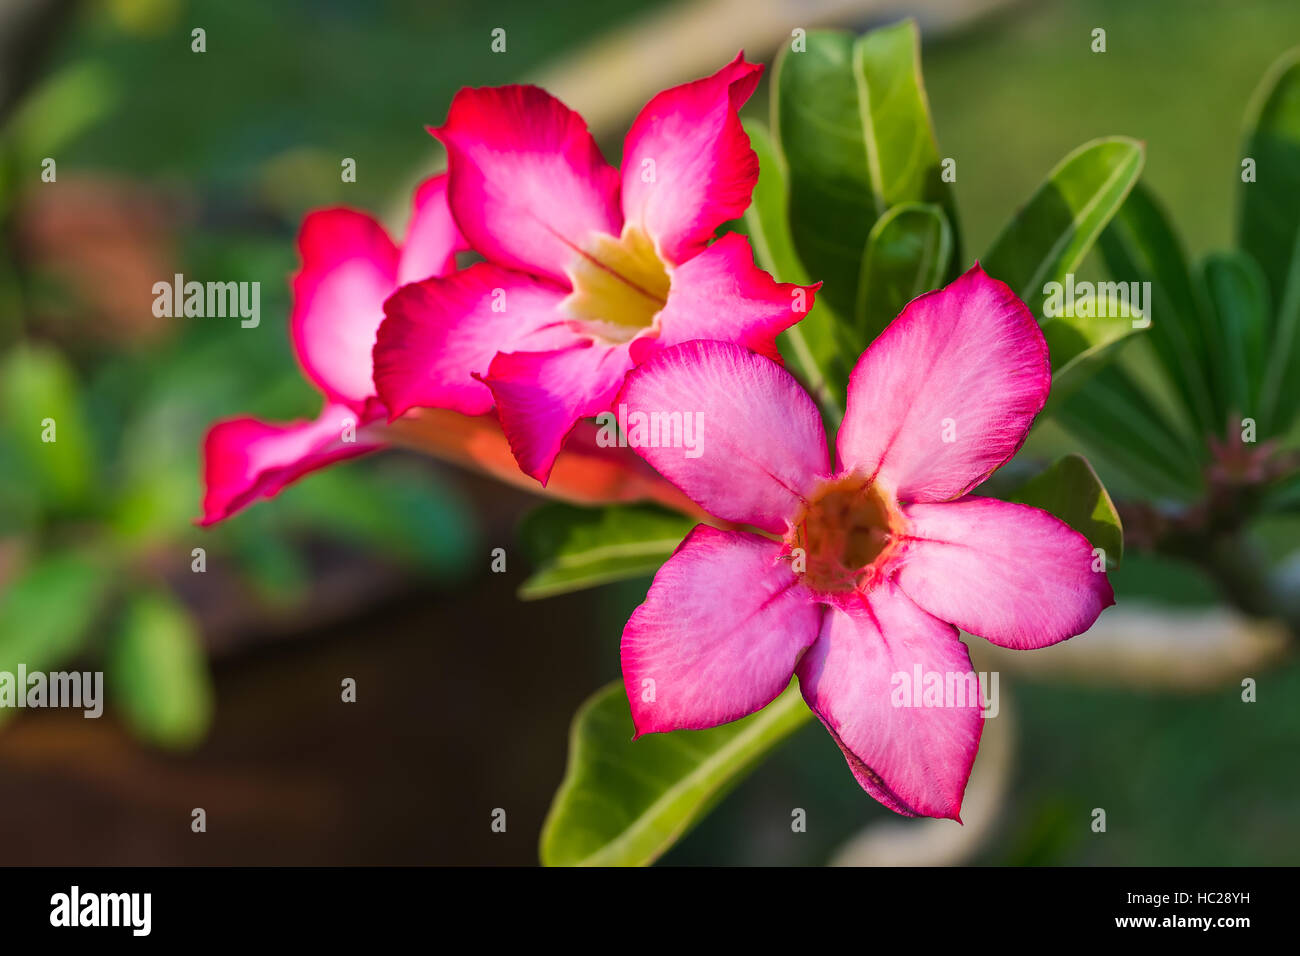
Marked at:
<point>224,686</point>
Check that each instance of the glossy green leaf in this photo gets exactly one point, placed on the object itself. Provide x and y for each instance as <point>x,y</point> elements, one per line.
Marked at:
<point>1056,229</point>
<point>907,254</point>
<point>1239,305</point>
<point>1269,227</point>
<point>1081,345</point>
<point>902,153</point>
<point>1071,490</point>
<point>574,548</point>
<point>767,219</point>
<point>817,124</point>
<point>624,802</point>
<point>854,128</point>
<point>810,346</point>
<point>1141,246</point>
<point>158,673</point>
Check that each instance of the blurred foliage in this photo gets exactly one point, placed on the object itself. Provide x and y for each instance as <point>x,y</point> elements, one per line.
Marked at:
<point>253,138</point>
<point>159,675</point>
<point>99,431</point>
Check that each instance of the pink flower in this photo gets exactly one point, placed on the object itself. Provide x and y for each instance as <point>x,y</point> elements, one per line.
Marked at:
<point>590,271</point>
<point>878,561</point>
<point>349,267</point>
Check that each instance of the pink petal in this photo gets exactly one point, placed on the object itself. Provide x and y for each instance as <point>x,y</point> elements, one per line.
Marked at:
<point>349,267</point>
<point>687,163</point>
<point>1012,574</point>
<point>441,333</point>
<point>432,239</point>
<point>913,759</point>
<point>540,396</point>
<point>761,444</point>
<point>245,459</point>
<point>718,635</point>
<point>966,363</point>
<point>720,294</point>
<point>528,183</point>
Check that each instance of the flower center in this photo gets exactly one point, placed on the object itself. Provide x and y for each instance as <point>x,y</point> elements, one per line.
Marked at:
<point>847,533</point>
<point>619,285</point>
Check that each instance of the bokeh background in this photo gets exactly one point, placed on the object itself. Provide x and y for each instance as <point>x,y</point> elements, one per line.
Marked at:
<point>224,686</point>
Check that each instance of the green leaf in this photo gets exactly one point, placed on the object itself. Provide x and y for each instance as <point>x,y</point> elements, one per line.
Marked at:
<point>52,115</point>
<point>818,126</point>
<point>908,252</point>
<point>1140,246</point>
<point>854,127</point>
<point>810,346</point>
<point>61,108</point>
<point>902,153</point>
<point>1080,346</point>
<point>40,410</point>
<point>1238,295</point>
<point>159,674</point>
<point>1269,227</point>
<point>47,612</point>
<point>1071,490</point>
<point>766,218</point>
<point>624,802</point>
<point>574,548</point>
<point>1055,230</point>
<point>1118,424</point>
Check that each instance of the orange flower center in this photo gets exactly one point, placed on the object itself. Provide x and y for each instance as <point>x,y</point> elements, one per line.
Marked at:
<point>845,536</point>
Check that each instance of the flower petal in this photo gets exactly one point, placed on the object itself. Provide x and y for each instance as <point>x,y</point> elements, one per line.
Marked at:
<point>687,163</point>
<point>432,239</point>
<point>760,445</point>
<point>947,393</point>
<point>720,294</point>
<point>540,396</point>
<point>1012,574</point>
<point>245,459</point>
<point>913,759</point>
<point>528,183</point>
<point>587,471</point>
<point>718,635</point>
<point>349,267</point>
<point>442,332</point>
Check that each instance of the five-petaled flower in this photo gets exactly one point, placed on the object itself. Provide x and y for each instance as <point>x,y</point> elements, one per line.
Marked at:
<point>349,267</point>
<point>590,271</point>
<point>873,565</point>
